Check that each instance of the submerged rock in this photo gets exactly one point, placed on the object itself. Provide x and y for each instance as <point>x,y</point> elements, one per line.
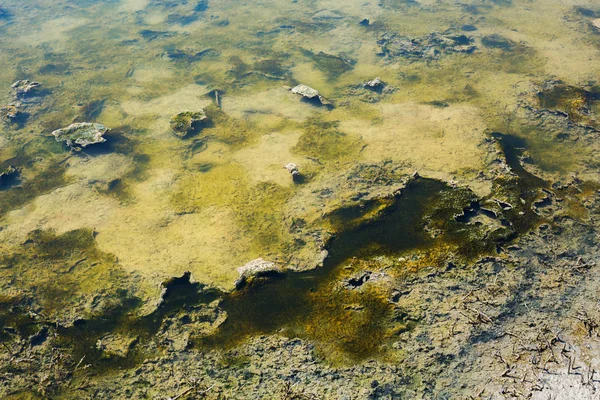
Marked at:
<point>81,134</point>
<point>294,171</point>
<point>310,93</point>
<point>256,268</point>
<point>24,87</point>
<point>186,122</point>
<point>426,47</point>
<point>10,113</point>
<point>327,14</point>
<point>373,84</point>
<point>332,65</point>
<point>496,41</point>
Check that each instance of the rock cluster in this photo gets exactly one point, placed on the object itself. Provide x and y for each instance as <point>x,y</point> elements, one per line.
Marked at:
<point>24,87</point>
<point>431,46</point>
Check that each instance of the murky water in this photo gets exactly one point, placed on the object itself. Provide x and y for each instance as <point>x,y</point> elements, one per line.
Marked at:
<point>89,230</point>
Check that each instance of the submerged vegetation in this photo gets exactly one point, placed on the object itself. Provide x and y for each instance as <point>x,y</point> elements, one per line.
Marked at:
<point>297,198</point>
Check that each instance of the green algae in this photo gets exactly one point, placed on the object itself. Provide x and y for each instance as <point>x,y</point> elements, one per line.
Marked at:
<point>260,217</point>
<point>229,130</point>
<point>42,183</point>
<point>324,141</point>
<point>358,332</point>
<point>576,102</point>
<point>346,326</point>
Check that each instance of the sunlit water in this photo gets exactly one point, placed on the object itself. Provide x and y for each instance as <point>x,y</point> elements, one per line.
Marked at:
<point>157,205</point>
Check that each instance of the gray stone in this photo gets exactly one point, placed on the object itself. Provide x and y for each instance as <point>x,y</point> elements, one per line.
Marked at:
<point>81,134</point>
<point>374,84</point>
<point>310,93</point>
<point>292,169</point>
<point>24,87</point>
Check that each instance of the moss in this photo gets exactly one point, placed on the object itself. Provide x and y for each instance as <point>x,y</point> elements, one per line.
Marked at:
<point>65,272</point>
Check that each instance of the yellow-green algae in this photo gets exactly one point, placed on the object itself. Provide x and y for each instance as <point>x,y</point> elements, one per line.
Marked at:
<point>198,208</point>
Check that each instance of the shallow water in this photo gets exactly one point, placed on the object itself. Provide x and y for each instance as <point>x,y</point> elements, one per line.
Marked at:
<point>157,205</point>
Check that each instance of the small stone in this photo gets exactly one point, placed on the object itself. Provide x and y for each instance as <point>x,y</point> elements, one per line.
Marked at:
<point>186,122</point>
<point>365,22</point>
<point>309,93</point>
<point>374,84</point>
<point>596,23</point>
<point>293,170</point>
<point>81,134</point>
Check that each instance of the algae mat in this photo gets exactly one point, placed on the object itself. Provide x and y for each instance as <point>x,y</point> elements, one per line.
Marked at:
<point>485,111</point>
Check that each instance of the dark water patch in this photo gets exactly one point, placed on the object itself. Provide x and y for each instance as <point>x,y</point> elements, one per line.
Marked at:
<point>9,177</point>
<point>90,111</point>
<point>182,19</point>
<point>586,12</point>
<point>201,6</point>
<point>151,35</point>
<point>513,147</point>
<point>55,69</point>
<point>346,325</point>
<point>5,14</point>
<point>522,192</point>
<point>333,66</point>
<point>496,41</point>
